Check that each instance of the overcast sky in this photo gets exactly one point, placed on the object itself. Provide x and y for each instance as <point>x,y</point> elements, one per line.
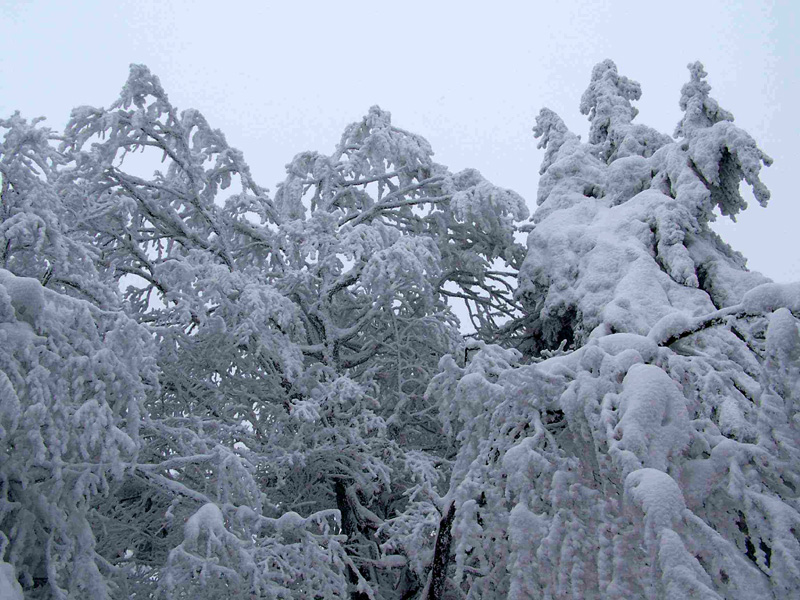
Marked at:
<point>282,77</point>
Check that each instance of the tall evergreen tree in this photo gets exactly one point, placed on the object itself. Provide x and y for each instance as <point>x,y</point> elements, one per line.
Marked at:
<point>645,446</point>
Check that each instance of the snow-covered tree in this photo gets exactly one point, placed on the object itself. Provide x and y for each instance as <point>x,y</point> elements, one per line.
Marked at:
<point>381,236</point>
<point>645,445</point>
<point>39,215</point>
<point>73,381</point>
<point>208,392</point>
<point>296,337</point>
<point>115,433</point>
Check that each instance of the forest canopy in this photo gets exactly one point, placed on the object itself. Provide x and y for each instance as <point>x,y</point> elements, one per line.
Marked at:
<point>208,391</point>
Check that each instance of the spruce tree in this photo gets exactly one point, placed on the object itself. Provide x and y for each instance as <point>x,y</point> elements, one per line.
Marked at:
<point>645,444</point>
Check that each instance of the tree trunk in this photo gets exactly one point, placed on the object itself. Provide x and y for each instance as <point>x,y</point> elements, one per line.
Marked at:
<point>441,555</point>
<point>350,529</point>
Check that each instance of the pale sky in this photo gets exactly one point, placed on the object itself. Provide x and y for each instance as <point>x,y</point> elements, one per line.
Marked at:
<point>279,78</point>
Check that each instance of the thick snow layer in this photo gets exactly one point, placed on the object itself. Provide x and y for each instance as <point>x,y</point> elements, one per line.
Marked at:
<point>654,424</point>
<point>207,519</point>
<point>10,588</point>
<point>657,495</point>
<point>26,294</point>
<point>621,238</point>
<point>669,326</point>
<point>598,261</point>
<point>783,339</point>
<point>772,296</point>
<point>617,343</point>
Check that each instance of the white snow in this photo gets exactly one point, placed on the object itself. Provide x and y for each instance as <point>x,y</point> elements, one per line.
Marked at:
<point>657,495</point>
<point>670,325</point>
<point>314,347</point>
<point>208,518</point>
<point>783,338</point>
<point>654,423</point>
<point>27,296</point>
<point>10,589</point>
<point>769,297</point>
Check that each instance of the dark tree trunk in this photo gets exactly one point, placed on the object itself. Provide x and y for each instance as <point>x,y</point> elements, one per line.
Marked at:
<point>350,529</point>
<point>441,555</point>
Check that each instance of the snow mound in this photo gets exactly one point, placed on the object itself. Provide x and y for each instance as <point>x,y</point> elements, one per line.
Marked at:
<point>26,295</point>
<point>208,518</point>
<point>769,297</point>
<point>10,588</point>
<point>654,423</point>
<point>657,495</point>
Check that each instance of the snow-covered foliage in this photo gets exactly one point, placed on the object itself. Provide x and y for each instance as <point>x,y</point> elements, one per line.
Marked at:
<point>208,392</point>
<point>73,385</point>
<point>645,446</point>
<point>619,242</point>
<point>283,439</point>
<point>375,238</point>
<point>270,558</point>
<point>10,589</point>
<point>40,214</point>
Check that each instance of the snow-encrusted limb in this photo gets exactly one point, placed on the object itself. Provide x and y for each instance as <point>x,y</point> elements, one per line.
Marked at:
<point>758,302</point>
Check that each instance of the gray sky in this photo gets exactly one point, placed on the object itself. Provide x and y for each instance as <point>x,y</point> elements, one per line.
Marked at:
<point>280,78</point>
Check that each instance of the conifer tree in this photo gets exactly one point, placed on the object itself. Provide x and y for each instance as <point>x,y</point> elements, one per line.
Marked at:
<point>644,446</point>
